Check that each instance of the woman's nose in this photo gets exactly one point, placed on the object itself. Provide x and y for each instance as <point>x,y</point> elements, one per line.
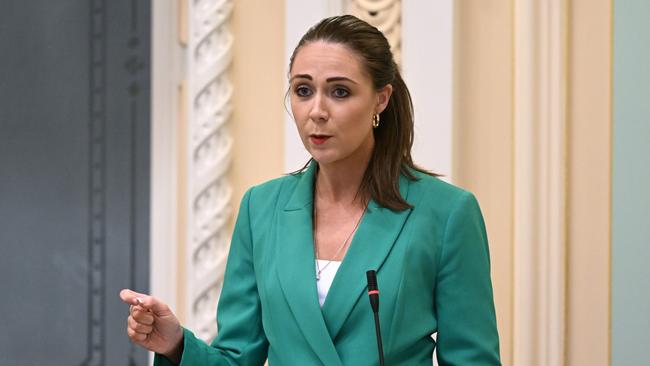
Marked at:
<point>318,111</point>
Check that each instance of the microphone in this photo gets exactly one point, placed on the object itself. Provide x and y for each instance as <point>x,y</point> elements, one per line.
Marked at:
<point>373,293</point>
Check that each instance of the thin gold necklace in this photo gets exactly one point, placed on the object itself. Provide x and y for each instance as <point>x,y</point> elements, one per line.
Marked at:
<point>338,251</point>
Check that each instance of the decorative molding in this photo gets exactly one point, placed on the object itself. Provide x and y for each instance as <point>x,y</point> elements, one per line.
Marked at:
<point>165,212</point>
<point>540,182</point>
<point>133,65</point>
<point>96,349</point>
<point>386,15</point>
<point>207,155</point>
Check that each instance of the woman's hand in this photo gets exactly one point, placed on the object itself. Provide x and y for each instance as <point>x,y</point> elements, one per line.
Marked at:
<point>152,325</point>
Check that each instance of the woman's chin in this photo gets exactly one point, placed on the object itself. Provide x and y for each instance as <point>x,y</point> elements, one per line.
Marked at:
<point>321,158</point>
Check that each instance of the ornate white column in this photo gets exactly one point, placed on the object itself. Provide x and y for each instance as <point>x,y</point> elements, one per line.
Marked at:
<point>540,182</point>
<point>207,149</point>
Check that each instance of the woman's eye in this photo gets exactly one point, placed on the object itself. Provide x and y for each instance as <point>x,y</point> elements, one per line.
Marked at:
<point>302,91</point>
<point>340,93</point>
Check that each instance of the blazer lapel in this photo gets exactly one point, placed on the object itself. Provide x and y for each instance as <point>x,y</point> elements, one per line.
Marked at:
<point>370,246</point>
<point>296,268</point>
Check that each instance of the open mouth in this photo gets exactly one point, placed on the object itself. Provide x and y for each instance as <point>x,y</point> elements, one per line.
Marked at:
<point>318,139</point>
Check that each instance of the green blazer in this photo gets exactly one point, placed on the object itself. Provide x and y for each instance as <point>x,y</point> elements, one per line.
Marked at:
<point>433,273</point>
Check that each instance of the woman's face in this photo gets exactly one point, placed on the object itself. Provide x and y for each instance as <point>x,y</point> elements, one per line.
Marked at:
<point>333,101</point>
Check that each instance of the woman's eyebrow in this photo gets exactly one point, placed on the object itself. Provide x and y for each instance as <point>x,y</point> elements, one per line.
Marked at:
<point>340,78</point>
<point>329,80</point>
<point>301,76</point>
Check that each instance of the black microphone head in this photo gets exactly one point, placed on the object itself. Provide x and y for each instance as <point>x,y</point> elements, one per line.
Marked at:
<point>372,280</point>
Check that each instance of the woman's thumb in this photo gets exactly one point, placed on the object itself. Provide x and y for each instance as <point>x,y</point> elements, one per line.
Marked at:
<point>152,303</point>
<point>148,302</point>
<point>131,297</point>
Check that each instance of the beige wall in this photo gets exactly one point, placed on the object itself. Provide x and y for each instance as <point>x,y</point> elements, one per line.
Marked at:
<point>589,191</point>
<point>483,135</point>
<point>257,123</point>
<point>484,161</point>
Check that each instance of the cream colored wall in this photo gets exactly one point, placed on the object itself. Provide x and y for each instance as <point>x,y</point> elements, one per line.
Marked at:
<point>589,191</point>
<point>483,136</point>
<point>484,161</point>
<point>257,123</point>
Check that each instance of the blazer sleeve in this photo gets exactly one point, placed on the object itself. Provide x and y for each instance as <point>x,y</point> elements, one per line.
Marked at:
<point>467,330</point>
<point>241,339</point>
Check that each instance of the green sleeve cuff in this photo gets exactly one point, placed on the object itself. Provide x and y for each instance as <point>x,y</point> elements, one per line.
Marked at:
<point>160,360</point>
<point>189,342</point>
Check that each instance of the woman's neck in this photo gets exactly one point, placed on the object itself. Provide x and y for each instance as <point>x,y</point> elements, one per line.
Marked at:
<point>340,182</point>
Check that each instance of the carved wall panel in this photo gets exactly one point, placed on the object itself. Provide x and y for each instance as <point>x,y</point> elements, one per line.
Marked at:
<point>207,154</point>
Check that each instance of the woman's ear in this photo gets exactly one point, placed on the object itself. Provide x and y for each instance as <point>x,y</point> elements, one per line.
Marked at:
<point>383,96</point>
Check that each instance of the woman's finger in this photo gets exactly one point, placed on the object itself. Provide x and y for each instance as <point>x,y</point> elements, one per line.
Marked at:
<point>152,304</point>
<point>139,327</point>
<point>142,316</point>
<point>135,336</point>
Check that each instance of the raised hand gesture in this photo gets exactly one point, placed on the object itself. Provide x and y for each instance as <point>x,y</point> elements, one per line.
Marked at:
<point>152,325</point>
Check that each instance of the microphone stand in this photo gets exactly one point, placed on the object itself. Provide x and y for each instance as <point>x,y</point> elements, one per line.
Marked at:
<point>373,293</point>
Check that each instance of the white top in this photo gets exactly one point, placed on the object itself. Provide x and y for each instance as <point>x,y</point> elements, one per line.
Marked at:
<point>326,277</point>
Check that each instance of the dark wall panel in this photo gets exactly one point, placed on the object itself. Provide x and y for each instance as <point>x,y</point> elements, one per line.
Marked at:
<point>74,178</point>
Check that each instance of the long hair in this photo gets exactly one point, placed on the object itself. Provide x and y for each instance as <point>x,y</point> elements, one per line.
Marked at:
<point>394,136</point>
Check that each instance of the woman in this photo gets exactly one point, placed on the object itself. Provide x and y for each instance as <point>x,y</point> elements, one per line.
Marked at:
<point>307,239</point>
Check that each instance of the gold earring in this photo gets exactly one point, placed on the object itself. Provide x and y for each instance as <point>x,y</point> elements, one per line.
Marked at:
<point>375,120</point>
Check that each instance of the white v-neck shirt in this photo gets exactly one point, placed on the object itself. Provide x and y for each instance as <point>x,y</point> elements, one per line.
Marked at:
<point>326,277</point>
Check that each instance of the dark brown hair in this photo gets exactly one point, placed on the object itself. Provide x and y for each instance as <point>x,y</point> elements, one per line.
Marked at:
<point>394,136</point>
